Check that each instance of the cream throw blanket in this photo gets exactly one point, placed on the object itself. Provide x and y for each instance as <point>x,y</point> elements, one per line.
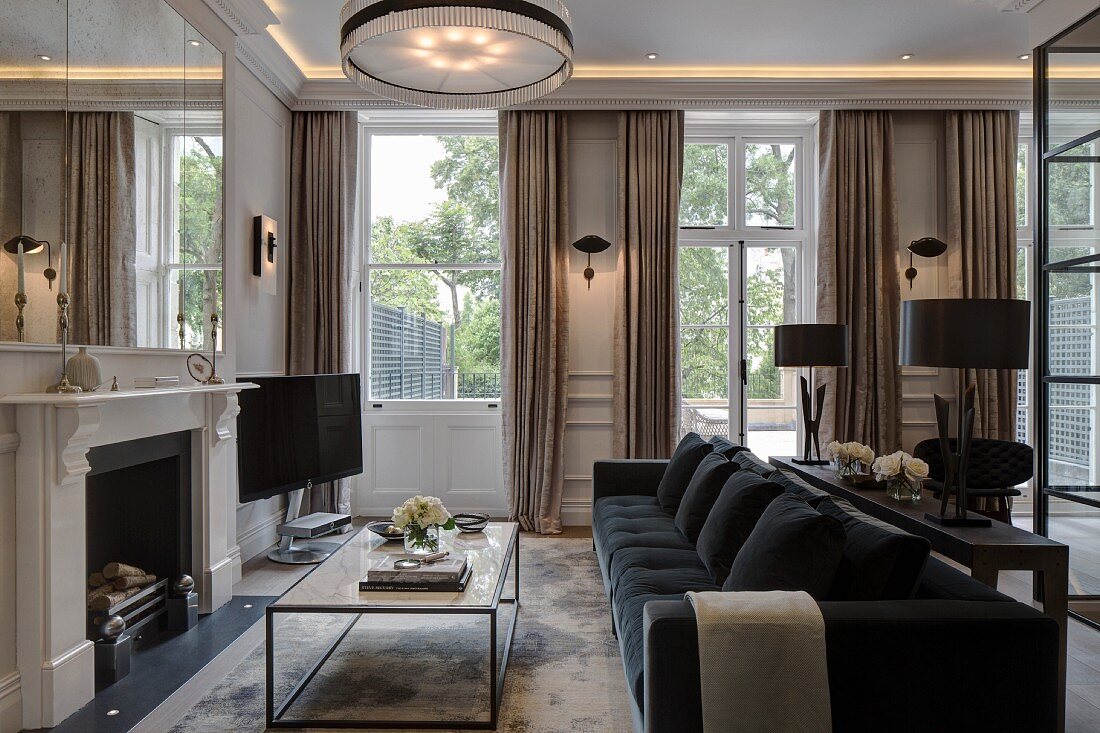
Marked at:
<point>762,662</point>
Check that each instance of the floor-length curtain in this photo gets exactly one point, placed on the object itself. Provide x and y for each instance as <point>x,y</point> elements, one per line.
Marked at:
<point>11,207</point>
<point>324,150</point>
<point>534,233</point>
<point>981,154</point>
<point>857,276</point>
<point>646,337</point>
<point>102,229</point>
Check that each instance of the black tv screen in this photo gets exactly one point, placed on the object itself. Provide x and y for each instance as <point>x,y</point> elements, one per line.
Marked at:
<point>293,430</point>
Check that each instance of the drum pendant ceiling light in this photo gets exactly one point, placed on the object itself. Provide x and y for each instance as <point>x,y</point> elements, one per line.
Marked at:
<point>470,54</point>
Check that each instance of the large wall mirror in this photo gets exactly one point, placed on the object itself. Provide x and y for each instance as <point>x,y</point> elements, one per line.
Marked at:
<point>111,142</point>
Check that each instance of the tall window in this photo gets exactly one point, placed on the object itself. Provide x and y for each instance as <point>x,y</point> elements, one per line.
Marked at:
<point>742,241</point>
<point>433,267</point>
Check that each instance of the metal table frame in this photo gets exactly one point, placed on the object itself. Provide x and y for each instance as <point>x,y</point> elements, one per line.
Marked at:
<point>276,713</point>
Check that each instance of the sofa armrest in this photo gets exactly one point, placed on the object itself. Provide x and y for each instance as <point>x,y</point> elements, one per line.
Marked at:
<point>629,477</point>
<point>893,665</point>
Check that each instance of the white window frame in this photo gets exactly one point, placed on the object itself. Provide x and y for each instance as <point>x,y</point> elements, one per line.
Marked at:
<point>415,127</point>
<point>802,237</point>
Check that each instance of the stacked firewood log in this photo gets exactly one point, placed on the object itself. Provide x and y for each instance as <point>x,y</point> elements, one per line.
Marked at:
<point>115,584</point>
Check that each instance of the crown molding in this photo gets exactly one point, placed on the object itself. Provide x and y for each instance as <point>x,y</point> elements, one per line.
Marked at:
<point>244,17</point>
<point>270,64</point>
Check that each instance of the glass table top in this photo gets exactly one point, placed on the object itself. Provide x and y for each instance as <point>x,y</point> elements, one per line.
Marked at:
<point>335,582</point>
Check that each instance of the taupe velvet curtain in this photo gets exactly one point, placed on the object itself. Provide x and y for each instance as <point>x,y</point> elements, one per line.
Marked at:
<point>102,229</point>
<point>11,208</point>
<point>857,276</point>
<point>534,236</point>
<point>324,152</point>
<point>981,227</point>
<point>646,337</point>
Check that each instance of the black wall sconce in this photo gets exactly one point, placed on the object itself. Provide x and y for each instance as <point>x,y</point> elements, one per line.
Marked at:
<point>264,241</point>
<point>33,246</point>
<point>925,247</point>
<point>591,245</point>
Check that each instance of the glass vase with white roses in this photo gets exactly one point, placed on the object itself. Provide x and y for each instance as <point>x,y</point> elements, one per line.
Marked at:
<point>849,458</point>
<point>422,517</point>
<point>903,475</point>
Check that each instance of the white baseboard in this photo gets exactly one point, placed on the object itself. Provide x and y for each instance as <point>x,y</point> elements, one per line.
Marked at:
<point>235,555</point>
<point>576,512</point>
<point>258,538</point>
<point>11,703</point>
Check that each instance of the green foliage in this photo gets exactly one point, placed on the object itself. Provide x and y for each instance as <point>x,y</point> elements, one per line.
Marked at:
<point>1069,191</point>
<point>200,237</point>
<point>769,184</point>
<point>469,173</point>
<point>477,343</point>
<point>703,197</point>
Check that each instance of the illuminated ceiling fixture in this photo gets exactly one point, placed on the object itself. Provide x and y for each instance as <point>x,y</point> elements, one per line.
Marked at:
<point>469,54</point>
<point>194,42</point>
<point>1024,56</point>
<point>906,56</point>
<point>652,56</point>
<point>44,57</point>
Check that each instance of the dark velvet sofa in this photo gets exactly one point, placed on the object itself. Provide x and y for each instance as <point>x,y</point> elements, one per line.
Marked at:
<point>957,656</point>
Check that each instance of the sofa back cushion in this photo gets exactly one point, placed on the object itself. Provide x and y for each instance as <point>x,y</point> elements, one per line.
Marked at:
<point>794,485</point>
<point>725,447</point>
<point>681,467</point>
<point>743,499</point>
<point>702,491</point>
<point>880,561</point>
<point>792,547</point>
<point>747,459</point>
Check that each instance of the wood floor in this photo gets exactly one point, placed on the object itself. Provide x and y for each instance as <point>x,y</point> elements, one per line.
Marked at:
<point>263,578</point>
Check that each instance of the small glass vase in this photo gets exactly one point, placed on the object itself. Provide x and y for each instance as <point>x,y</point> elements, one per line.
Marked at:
<point>421,540</point>
<point>903,488</point>
<point>846,469</point>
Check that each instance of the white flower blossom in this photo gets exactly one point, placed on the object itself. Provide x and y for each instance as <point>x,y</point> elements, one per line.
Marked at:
<point>422,511</point>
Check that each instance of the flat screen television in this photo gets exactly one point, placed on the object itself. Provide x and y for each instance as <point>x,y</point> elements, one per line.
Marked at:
<point>296,430</point>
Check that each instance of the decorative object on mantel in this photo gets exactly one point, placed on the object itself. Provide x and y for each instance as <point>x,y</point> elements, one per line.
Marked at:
<point>849,458</point>
<point>961,333</point>
<point>84,370</point>
<point>457,54</point>
<point>198,366</point>
<point>591,245</point>
<point>903,475</point>
<point>155,382</point>
<point>810,345</point>
<point>63,386</point>
<point>925,247</point>
<point>214,378</point>
<point>422,517</point>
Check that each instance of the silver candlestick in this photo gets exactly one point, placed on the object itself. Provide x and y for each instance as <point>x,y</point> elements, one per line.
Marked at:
<point>179,320</point>
<point>214,378</point>
<point>63,387</point>
<point>20,304</point>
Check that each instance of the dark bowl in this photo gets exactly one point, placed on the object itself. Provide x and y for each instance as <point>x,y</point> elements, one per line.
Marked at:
<point>471,522</point>
<point>379,529</point>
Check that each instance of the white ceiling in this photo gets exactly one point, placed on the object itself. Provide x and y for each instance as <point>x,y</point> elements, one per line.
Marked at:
<point>742,38</point>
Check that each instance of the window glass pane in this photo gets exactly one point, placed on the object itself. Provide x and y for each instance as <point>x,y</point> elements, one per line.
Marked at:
<point>435,334</point>
<point>1022,392</point>
<point>705,381</point>
<point>1070,441</point>
<point>200,215</point>
<point>771,398</point>
<point>203,291</point>
<point>1021,186</point>
<point>704,197</point>
<point>1069,188</point>
<point>434,199</point>
<point>704,286</point>
<point>770,196</point>
<point>1072,316</point>
<point>771,285</point>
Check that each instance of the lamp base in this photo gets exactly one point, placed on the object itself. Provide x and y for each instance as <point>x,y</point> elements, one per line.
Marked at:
<point>959,521</point>
<point>806,462</point>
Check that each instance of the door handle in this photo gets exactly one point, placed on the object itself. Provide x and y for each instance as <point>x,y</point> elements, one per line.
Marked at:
<point>744,372</point>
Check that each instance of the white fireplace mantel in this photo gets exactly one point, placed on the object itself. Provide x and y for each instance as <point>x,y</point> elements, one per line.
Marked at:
<point>55,660</point>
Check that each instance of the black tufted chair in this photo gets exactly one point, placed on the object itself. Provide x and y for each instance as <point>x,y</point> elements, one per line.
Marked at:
<point>996,467</point>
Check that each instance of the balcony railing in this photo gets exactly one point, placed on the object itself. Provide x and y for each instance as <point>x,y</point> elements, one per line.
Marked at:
<point>433,384</point>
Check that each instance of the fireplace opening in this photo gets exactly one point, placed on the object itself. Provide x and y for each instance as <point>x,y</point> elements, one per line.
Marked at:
<point>138,532</point>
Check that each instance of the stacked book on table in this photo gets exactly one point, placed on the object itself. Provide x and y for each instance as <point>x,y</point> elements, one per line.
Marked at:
<point>448,575</point>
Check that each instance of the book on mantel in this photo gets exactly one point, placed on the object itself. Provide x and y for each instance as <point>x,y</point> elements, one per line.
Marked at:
<point>448,575</point>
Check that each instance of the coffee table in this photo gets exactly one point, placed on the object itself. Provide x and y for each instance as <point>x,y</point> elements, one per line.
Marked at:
<point>333,588</point>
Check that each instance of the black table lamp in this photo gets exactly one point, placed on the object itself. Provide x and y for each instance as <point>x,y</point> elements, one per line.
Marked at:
<point>963,334</point>
<point>811,345</point>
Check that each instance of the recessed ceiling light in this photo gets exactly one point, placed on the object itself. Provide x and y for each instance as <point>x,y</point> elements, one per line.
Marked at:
<point>651,56</point>
<point>112,713</point>
<point>43,57</point>
<point>1024,56</point>
<point>193,42</point>
<point>906,56</point>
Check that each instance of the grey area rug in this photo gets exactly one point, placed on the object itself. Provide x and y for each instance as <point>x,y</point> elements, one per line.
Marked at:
<point>564,673</point>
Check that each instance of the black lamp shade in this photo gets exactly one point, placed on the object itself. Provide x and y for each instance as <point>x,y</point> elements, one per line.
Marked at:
<point>591,244</point>
<point>30,246</point>
<point>965,333</point>
<point>811,344</point>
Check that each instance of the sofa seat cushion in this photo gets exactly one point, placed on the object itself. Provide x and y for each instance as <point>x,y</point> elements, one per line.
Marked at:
<point>792,547</point>
<point>794,485</point>
<point>625,507</point>
<point>634,582</point>
<point>940,581</point>
<point>749,460</point>
<point>732,518</point>
<point>681,467</point>
<point>654,558</point>
<point>617,533</point>
<point>701,493</point>
<point>880,561</point>
<point>630,625</point>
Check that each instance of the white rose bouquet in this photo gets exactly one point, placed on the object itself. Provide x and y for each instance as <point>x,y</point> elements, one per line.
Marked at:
<point>422,517</point>
<point>903,475</point>
<point>849,456</point>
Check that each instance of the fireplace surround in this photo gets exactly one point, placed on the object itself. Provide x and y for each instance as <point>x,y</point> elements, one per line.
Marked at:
<point>56,433</point>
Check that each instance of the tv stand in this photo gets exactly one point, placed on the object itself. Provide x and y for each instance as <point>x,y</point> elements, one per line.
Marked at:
<point>295,546</point>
